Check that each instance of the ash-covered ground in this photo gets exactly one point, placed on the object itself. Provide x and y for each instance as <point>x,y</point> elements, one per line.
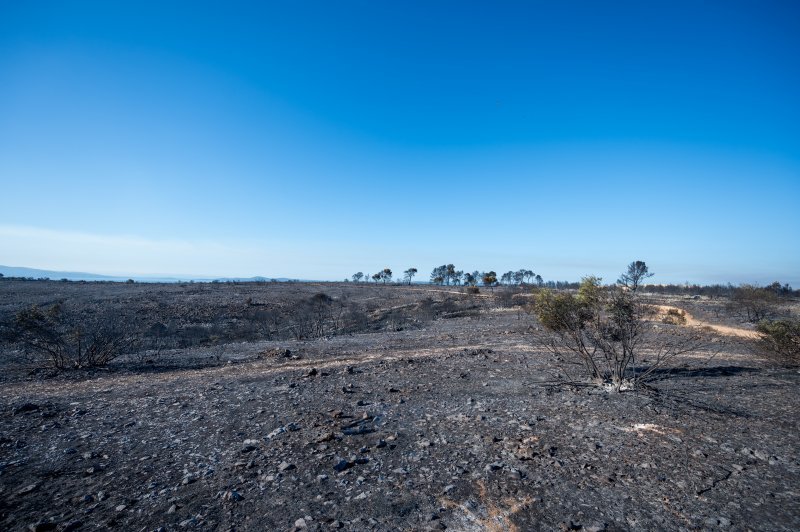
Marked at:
<point>458,424</point>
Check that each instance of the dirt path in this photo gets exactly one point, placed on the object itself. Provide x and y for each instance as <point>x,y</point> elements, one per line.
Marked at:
<point>721,329</point>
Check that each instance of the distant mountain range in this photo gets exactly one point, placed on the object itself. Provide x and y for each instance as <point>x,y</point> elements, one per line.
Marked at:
<point>18,271</point>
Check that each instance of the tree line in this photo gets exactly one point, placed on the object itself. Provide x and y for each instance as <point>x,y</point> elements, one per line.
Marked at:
<point>448,275</point>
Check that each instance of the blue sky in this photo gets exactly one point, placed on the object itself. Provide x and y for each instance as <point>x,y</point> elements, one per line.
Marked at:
<point>314,140</point>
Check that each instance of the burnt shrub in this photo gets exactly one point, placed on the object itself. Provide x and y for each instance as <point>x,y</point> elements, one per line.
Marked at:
<point>780,341</point>
<point>753,303</point>
<point>64,338</point>
<point>674,317</point>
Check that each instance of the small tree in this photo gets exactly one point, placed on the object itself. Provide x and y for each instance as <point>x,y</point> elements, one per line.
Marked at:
<point>386,275</point>
<point>604,331</point>
<point>636,273</point>
<point>358,276</point>
<point>450,274</point>
<point>409,274</point>
<point>438,275</point>
<point>490,279</point>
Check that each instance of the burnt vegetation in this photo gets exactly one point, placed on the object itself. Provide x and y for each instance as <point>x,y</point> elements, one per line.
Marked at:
<point>234,405</point>
<point>95,324</point>
<point>610,330</point>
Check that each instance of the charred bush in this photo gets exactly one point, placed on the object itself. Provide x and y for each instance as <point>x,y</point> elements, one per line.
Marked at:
<point>67,339</point>
<point>674,317</point>
<point>780,341</point>
<point>753,303</point>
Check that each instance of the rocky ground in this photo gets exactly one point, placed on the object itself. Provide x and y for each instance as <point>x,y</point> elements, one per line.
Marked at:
<point>460,424</point>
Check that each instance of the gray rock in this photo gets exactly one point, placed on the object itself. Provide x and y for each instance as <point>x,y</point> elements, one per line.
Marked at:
<point>494,466</point>
<point>285,466</point>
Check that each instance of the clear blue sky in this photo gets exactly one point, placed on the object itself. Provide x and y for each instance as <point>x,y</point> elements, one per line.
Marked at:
<point>314,140</point>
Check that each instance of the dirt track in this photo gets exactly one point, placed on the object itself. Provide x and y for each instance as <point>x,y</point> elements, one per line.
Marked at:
<point>726,330</point>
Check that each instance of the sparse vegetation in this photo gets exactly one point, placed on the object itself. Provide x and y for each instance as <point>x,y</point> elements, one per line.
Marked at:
<point>329,379</point>
<point>780,341</point>
<point>754,303</point>
<point>674,316</point>
<point>67,339</point>
<point>608,333</point>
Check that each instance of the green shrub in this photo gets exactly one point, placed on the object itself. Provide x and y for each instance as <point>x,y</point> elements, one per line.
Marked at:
<point>606,332</point>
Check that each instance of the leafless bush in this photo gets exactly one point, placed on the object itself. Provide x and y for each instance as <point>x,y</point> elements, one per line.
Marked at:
<point>754,303</point>
<point>780,341</point>
<point>505,298</point>
<point>67,339</point>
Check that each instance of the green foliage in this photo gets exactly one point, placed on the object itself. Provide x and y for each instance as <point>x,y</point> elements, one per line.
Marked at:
<point>560,312</point>
<point>590,291</point>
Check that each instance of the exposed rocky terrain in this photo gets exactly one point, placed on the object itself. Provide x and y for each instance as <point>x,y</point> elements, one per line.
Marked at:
<point>456,424</point>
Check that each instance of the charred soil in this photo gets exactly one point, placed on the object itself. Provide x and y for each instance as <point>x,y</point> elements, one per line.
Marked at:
<point>459,423</point>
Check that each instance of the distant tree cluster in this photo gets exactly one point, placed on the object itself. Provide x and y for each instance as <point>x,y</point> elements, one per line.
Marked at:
<point>521,277</point>
<point>449,275</point>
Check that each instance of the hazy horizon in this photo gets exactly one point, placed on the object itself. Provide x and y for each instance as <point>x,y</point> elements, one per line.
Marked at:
<point>316,140</point>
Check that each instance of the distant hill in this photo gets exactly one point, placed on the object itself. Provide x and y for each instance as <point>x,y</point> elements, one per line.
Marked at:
<point>19,271</point>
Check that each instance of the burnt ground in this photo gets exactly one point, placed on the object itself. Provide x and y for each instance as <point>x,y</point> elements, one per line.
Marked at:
<point>457,424</point>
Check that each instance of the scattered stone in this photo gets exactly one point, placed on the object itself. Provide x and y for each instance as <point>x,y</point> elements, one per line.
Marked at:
<point>343,465</point>
<point>28,489</point>
<point>232,495</point>
<point>286,466</point>
<point>494,466</point>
